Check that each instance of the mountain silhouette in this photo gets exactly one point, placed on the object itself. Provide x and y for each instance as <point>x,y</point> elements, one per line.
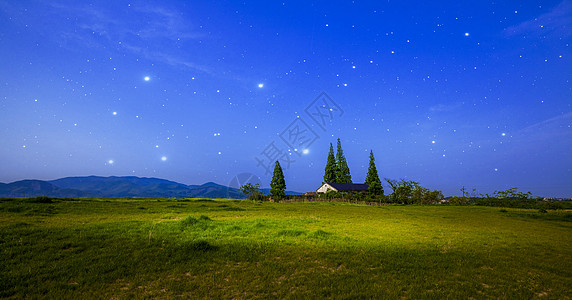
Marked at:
<point>117,186</point>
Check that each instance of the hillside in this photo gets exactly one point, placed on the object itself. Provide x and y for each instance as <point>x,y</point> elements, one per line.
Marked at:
<point>118,186</point>
<point>33,188</point>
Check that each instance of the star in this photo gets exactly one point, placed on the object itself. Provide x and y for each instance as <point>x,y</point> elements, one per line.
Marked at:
<point>163,158</point>
<point>261,85</point>
<point>466,34</point>
<point>115,113</point>
<point>110,161</point>
<point>147,78</point>
<point>305,151</point>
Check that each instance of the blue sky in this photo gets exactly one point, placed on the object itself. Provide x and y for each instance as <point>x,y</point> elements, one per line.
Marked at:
<point>449,94</point>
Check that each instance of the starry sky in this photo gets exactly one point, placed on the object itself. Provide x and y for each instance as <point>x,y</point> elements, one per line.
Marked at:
<point>447,93</point>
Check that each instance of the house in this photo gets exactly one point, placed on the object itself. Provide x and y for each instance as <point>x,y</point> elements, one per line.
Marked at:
<point>342,187</point>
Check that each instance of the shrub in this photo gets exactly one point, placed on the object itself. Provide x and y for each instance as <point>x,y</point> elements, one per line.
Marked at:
<point>188,221</point>
<point>204,218</point>
<point>455,200</point>
<point>200,246</point>
<point>553,205</point>
<point>40,199</point>
<point>330,195</point>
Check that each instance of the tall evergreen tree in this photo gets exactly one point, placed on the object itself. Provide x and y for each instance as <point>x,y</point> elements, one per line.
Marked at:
<point>372,178</point>
<point>330,174</point>
<point>343,175</point>
<point>278,184</point>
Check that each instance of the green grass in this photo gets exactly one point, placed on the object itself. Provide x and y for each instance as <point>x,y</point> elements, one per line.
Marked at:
<point>124,248</point>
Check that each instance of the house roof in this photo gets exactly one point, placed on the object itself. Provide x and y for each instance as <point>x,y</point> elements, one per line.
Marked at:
<point>349,187</point>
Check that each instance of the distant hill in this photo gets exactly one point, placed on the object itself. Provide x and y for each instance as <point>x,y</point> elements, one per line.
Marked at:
<point>118,186</point>
<point>33,188</point>
<point>128,186</point>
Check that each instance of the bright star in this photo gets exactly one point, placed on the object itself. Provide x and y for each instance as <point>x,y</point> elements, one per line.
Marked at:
<point>503,134</point>
<point>164,158</point>
<point>115,113</point>
<point>305,151</point>
<point>261,85</point>
<point>147,78</point>
<point>110,161</point>
<point>466,34</point>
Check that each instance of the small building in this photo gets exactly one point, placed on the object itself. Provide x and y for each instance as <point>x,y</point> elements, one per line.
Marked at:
<point>342,187</point>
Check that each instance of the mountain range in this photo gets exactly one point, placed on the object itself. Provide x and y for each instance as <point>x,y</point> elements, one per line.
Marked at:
<point>118,186</point>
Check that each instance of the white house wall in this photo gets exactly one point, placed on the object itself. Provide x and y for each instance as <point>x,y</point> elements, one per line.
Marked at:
<point>325,187</point>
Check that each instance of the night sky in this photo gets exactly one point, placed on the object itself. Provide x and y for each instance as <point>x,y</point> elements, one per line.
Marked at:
<point>446,93</point>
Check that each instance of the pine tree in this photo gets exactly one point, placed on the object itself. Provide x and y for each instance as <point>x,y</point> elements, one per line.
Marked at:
<point>372,178</point>
<point>343,175</point>
<point>331,171</point>
<point>278,184</point>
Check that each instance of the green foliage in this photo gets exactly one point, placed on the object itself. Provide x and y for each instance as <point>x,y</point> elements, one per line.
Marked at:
<point>199,246</point>
<point>204,218</point>
<point>512,193</point>
<point>372,178</point>
<point>252,192</point>
<point>375,188</point>
<point>431,197</point>
<point>343,175</point>
<point>456,200</point>
<point>517,203</point>
<point>278,184</point>
<point>410,192</point>
<point>203,222</point>
<point>331,171</point>
<point>188,221</point>
<point>40,199</point>
<point>511,198</point>
<point>330,195</point>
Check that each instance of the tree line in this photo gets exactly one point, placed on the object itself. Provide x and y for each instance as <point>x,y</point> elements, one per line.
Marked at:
<point>337,171</point>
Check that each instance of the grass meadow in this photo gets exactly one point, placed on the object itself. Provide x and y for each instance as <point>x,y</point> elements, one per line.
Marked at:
<point>203,248</point>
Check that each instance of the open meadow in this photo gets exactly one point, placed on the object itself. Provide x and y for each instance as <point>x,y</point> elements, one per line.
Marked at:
<point>199,248</point>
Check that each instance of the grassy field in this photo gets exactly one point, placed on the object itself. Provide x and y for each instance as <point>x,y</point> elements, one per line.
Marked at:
<point>161,248</point>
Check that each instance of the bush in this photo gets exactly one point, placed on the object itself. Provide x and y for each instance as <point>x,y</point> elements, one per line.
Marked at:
<point>432,197</point>
<point>203,222</point>
<point>252,192</point>
<point>200,246</point>
<point>455,200</point>
<point>330,195</point>
<point>40,199</point>
<point>188,221</point>
<point>204,218</point>
<point>410,192</point>
<point>553,205</point>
